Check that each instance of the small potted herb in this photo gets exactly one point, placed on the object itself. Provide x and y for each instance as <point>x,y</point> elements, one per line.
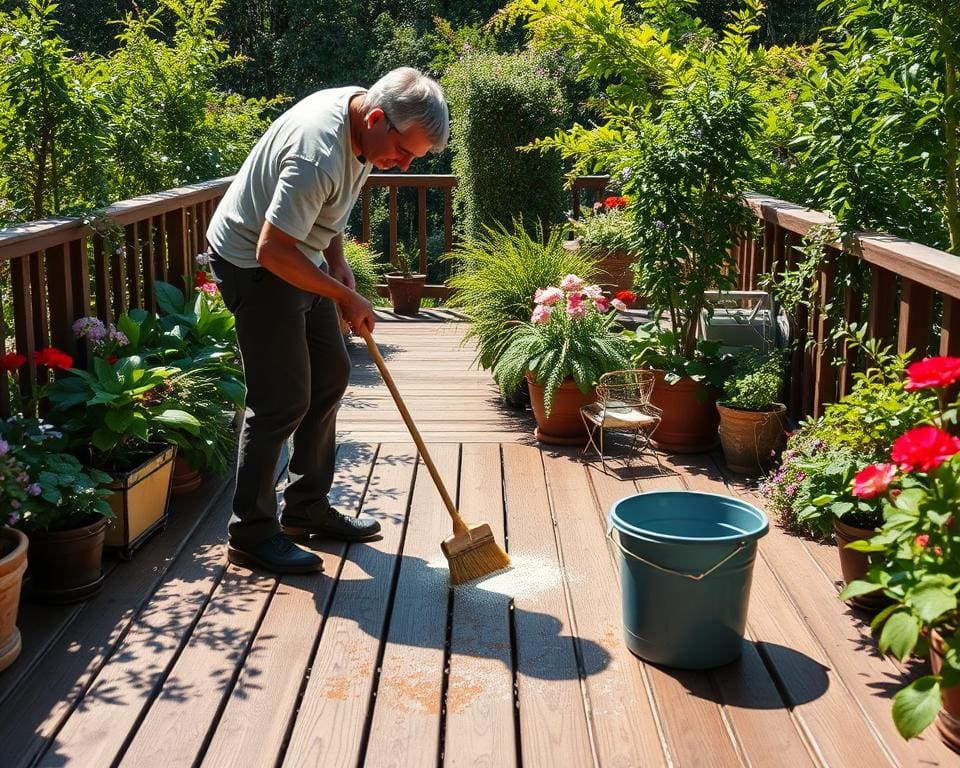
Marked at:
<point>751,418</point>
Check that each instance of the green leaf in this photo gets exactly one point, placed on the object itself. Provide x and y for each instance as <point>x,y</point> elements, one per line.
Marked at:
<point>857,588</point>
<point>181,419</point>
<point>930,602</point>
<point>118,421</point>
<point>169,298</point>
<point>916,706</point>
<point>104,439</point>
<point>900,634</point>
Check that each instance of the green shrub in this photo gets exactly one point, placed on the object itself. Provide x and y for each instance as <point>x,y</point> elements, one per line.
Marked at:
<point>497,275</point>
<point>755,382</point>
<point>366,268</point>
<point>498,103</point>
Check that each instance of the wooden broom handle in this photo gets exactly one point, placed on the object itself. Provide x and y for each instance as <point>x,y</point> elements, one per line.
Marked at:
<point>458,524</point>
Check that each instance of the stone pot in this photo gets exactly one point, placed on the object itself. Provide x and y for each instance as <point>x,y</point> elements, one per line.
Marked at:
<point>405,292</point>
<point>690,418</point>
<point>13,563</point>
<point>67,566</point>
<point>948,721</point>
<point>750,439</point>
<point>564,426</point>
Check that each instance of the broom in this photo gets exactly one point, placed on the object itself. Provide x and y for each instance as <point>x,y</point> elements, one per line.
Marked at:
<point>471,551</point>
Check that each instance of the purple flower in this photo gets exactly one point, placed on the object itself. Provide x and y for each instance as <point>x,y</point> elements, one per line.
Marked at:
<point>91,327</point>
<point>34,489</point>
<point>660,225</point>
<point>203,259</point>
<point>791,490</point>
<point>801,475</point>
<point>4,447</point>
<point>13,518</point>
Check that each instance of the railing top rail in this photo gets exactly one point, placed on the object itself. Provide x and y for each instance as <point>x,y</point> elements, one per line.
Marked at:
<point>442,180</point>
<point>36,235</point>
<point>920,263</point>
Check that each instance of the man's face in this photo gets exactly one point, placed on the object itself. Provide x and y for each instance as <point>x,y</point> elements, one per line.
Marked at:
<point>387,148</point>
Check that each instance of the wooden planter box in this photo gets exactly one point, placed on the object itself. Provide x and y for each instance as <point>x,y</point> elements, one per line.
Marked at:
<point>139,501</point>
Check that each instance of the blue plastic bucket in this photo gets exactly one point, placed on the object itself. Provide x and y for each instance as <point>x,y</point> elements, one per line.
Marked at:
<point>686,567</point>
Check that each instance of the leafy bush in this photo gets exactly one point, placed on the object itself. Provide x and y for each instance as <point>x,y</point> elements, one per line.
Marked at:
<point>609,226</point>
<point>367,270</point>
<point>653,347</point>
<point>496,276</point>
<point>500,102</point>
<point>813,483</point>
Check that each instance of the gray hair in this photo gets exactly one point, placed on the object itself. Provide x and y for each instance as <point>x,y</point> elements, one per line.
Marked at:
<point>408,97</point>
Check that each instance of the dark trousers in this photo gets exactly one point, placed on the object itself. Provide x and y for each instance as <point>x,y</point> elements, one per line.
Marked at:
<point>296,367</point>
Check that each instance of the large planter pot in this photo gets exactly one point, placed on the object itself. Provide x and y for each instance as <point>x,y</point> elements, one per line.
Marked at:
<point>139,501</point>
<point>405,292</point>
<point>564,426</point>
<point>13,562</point>
<point>948,721</point>
<point>854,565</point>
<point>690,418</point>
<point>185,477</point>
<point>67,566</point>
<point>750,439</point>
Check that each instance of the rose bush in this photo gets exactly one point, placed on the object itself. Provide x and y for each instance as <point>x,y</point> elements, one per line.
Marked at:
<point>918,546</point>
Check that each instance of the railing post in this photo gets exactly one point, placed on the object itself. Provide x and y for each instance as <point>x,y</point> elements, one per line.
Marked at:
<point>950,328</point>
<point>883,291</point>
<point>916,318</point>
<point>422,225</point>
<point>177,247</point>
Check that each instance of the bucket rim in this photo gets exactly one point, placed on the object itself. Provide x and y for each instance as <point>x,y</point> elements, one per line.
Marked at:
<point>615,521</point>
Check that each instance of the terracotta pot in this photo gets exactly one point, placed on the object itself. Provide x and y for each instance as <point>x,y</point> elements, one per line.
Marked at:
<point>67,566</point>
<point>564,426</point>
<point>854,565</point>
<point>405,292</point>
<point>690,418</point>
<point>948,721</point>
<point>13,563</point>
<point>750,439</point>
<point>185,477</point>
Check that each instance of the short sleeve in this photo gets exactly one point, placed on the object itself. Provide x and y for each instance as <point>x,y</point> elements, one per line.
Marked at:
<point>302,189</point>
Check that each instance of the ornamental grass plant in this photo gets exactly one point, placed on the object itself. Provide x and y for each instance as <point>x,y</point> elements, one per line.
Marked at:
<point>496,276</point>
<point>917,550</point>
<point>569,334</point>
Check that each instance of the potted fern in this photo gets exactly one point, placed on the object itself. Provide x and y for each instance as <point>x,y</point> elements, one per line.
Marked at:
<point>565,347</point>
<point>405,287</point>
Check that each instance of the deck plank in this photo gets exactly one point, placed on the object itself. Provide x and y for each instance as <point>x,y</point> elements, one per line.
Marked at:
<point>405,729</point>
<point>45,697</point>
<point>480,729</point>
<point>331,722</point>
<point>624,725</point>
<point>96,731</point>
<point>553,726</point>
<point>268,688</point>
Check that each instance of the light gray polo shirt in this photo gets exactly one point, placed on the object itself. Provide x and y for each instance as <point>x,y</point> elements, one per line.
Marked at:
<point>302,177</point>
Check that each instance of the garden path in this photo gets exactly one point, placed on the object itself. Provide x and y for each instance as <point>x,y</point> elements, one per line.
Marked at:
<point>182,660</point>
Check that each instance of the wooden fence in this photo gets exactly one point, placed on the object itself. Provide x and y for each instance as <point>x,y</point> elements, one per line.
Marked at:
<point>53,272</point>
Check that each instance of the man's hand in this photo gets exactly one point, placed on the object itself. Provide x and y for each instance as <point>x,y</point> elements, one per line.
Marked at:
<point>358,312</point>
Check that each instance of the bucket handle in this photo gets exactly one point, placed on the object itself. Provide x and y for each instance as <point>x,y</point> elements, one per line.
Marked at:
<point>691,576</point>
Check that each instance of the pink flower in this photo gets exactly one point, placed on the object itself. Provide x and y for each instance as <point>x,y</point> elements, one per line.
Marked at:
<point>571,283</point>
<point>592,291</point>
<point>932,372</point>
<point>603,303</point>
<point>924,448</point>
<point>871,481</point>
<point>618,305</point>
<point>576,306</point>
<point>922,540</point>
<point>548,296</point>
<point>541,314</point>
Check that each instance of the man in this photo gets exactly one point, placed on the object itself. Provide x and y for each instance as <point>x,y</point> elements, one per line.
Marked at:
<point>277,247</point>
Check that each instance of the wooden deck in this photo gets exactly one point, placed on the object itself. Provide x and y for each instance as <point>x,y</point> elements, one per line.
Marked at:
<point>181,660</point>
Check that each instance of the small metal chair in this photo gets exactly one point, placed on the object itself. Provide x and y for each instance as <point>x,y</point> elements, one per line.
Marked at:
<point>622,404</point>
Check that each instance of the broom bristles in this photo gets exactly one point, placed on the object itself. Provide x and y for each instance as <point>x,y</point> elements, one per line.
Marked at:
<point>477,561</point>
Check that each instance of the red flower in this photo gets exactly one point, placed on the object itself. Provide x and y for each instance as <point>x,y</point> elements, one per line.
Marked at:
<point>922,540</point>
<point>111,359</point>
<point>53,358</point>
<point>871,481</point>
<point>924,448</point>
<point>11,361</point>
<point>202,282</point>
<point>627,297</point>
<point>932,372</point>
<point>615,202</point>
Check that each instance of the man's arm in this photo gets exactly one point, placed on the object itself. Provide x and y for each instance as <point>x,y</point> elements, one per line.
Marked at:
<point>339,268</point>
<point>277,251</point>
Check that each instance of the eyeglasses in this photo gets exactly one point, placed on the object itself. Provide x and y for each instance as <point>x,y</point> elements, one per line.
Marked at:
<point>391,127</point>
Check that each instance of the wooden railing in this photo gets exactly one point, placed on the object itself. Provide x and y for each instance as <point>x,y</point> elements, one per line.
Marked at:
<point>912,302</point>
<point>55,271</point>
<point>52,272</point>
